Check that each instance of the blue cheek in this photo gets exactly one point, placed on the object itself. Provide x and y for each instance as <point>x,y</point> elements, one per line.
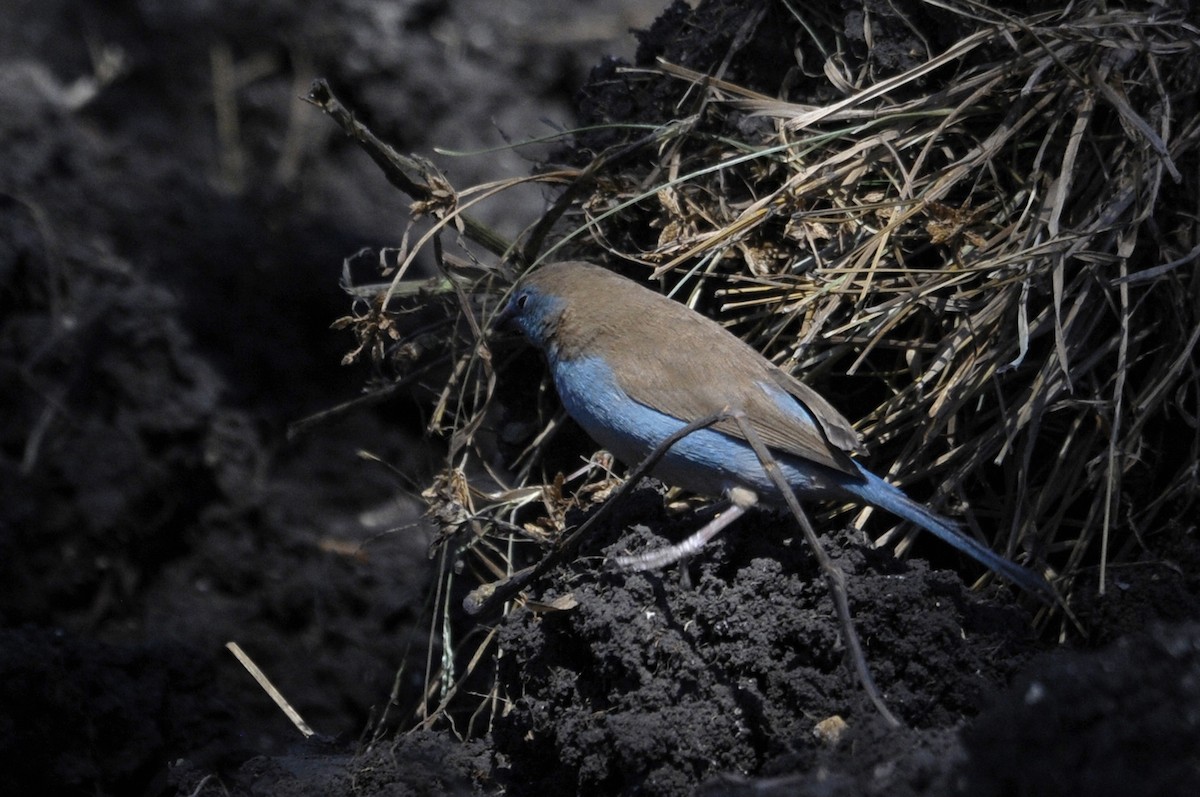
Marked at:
<point>536,318</point>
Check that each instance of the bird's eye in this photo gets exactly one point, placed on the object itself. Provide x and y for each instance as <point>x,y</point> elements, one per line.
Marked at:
<point>522,300</point>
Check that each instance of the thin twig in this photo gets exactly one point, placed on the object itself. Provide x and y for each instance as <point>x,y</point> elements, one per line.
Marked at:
<point>396,167</point>
<point>268,687</point>
<point>834,577</point>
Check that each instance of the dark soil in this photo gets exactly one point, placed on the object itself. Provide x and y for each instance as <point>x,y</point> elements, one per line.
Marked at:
<point>170,247</point>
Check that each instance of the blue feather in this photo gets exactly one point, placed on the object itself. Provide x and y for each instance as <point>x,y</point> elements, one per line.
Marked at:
<point>875,491</point>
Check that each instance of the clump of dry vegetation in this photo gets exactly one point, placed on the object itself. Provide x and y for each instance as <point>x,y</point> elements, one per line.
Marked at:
<point>989,256</point>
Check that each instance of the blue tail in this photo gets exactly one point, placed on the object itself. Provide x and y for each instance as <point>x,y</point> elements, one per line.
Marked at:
<point>877,492</point>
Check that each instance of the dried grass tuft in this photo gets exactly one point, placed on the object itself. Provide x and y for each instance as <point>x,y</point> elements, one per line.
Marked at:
<point>1004,236</point>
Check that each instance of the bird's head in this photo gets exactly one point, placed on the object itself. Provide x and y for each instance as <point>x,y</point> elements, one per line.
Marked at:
<point>534,310</point>
<point>572,308</point>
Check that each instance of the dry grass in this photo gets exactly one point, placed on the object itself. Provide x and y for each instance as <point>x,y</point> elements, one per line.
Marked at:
<point>999,247</point>
<point>1002,234</point>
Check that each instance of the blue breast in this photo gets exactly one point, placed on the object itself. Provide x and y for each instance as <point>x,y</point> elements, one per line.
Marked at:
<point>706,462</point>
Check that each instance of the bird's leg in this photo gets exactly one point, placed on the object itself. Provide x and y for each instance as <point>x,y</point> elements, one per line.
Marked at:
<point>834,577</point>
<point>653,560</point>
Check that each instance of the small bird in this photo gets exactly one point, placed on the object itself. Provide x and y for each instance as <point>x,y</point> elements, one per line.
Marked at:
<point>633,366</point>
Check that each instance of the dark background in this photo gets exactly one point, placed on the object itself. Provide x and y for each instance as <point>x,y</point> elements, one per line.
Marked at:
<point>173,221</point>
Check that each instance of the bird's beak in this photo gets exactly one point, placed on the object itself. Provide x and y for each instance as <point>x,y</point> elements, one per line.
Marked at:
<point>504,318</point>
